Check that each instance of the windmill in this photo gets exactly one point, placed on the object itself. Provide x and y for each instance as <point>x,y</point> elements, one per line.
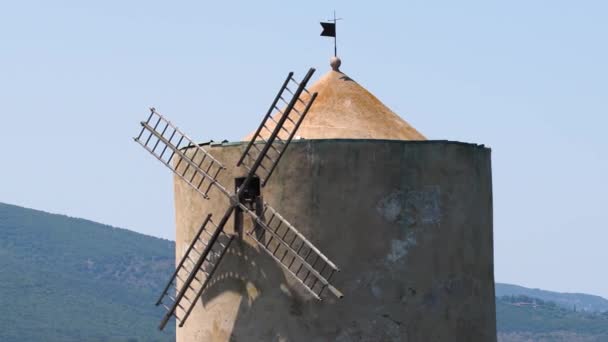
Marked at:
<point>273,233</point>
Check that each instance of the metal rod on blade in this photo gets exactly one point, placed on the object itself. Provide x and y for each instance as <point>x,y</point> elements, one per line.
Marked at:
<point>209,275</point>
<point>302,260</point>
<point>206,251</point>
<point>276,99</point>
<point>293,132</point>
<point>279,125</point>
<point>183,258</point>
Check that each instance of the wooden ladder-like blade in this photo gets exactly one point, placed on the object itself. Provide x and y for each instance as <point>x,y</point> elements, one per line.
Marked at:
<point>294,252</point>
<point>166,142</point>
<point>200,170</point>
<point>193,272</point>
<point>278,128</point>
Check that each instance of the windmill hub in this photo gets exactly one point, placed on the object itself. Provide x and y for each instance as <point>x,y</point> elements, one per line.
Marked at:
<point>251,194</point>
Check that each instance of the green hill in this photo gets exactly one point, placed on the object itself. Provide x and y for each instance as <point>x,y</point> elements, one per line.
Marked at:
<point>522,318</point>
<point>68,279</point>
<point>581,301</point>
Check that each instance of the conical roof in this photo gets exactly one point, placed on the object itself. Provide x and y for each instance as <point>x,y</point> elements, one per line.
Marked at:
<point>345,110</point>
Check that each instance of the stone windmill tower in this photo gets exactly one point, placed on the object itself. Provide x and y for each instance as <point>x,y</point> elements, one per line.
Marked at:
<point>408,221</point>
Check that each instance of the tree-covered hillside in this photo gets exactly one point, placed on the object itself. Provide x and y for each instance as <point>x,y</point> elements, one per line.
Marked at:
<point>580,301</point>
<point>523,318</point>
<point>68,279</point>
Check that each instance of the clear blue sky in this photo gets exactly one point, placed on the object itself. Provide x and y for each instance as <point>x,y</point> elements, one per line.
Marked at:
<point>527,78</point>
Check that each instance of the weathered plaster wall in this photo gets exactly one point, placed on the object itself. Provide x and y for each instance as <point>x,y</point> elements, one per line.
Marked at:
<point>409,224</point>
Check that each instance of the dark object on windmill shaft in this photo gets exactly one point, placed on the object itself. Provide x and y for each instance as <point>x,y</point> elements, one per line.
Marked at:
<point>293,251</point>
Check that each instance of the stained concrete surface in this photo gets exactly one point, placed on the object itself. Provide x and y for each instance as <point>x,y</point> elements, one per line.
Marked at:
<point>409,223</point>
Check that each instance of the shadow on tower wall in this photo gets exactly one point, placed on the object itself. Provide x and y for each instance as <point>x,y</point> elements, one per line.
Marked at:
<point>259,287</point>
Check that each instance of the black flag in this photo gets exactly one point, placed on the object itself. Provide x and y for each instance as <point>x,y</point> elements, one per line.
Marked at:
<point>329,29</point>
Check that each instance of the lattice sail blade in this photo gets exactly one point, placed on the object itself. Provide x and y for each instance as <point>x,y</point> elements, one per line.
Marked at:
<point>294,252</point>
<point>193,272</point>
<point>278,127</point>
<point>166,142</point>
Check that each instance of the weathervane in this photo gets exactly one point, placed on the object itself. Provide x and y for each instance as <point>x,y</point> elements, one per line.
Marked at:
<point>329,30</point>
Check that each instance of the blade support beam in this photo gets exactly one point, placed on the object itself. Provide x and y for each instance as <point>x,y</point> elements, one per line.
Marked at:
<point>279,125</point>
<point>210,244</point>
<point>180,264</point>
<point>204,285</point>
<point>290,250</point>
<point>275,126</point>
<point>274,103</point>
<point>293,132</point>
<point>177,150</point>
<point>196,266</point>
